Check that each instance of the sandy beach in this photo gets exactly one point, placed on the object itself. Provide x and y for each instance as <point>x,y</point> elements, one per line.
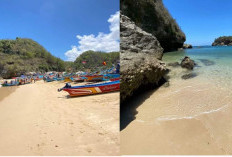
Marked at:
<point>35,119</point>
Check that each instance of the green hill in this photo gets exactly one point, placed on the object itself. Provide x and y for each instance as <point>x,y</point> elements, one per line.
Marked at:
<point>25,55</point>
<point>94,60</point>
<point>224,40</point>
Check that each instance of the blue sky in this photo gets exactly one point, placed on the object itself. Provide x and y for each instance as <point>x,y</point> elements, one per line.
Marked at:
<point>202,20</point>
<point>64,27</point>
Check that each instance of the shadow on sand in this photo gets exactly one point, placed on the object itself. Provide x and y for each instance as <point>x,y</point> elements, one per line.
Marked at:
<point>128,109</point>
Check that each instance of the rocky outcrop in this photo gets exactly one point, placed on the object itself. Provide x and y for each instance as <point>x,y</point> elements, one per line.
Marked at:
<point>153,17</point>
<point>187,46</point>
<point>187,63</point>
<point>139,58</point>
<point>223,41</point>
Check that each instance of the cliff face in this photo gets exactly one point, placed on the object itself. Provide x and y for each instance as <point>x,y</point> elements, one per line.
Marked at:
<point>153,17</point>
<point>222,41</point>
<point>140,58</point>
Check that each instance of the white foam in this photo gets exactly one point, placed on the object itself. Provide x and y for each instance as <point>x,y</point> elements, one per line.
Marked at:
<point>174,117</point>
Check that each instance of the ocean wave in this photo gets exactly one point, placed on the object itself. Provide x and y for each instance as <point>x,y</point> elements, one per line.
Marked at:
<point>174,117</point>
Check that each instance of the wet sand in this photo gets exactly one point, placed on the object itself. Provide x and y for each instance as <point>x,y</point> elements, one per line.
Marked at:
<point>37,120</point>
<point>190,117</point>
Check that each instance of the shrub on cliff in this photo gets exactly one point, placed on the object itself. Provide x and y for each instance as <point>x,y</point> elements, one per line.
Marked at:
<point>223,40</point>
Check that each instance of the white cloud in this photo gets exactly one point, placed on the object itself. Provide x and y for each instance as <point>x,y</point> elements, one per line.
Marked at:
<point>101,42</point>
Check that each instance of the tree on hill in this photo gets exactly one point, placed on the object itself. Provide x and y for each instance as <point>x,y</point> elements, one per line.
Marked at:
<point>93,60</point>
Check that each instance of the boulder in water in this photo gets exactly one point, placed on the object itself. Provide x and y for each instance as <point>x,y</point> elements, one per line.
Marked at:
<point>187,63</point>
<point>187,46</point>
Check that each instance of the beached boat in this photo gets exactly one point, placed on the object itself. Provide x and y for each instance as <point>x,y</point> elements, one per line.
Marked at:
<point>92,88</point>
<point>111,77</point>
<point>77,79</point>
<point>67,79</point>
<point>12,83</point>
<point>48,79</point>
<point>24,81</point>
<point>90,78</point>
<point>58,78</point>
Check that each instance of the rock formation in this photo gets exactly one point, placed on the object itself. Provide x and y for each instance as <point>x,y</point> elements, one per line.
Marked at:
<point>152,17</point>
<point>187,63</point>
<point>223,41</point>
<point>140,58</point>
<point>187,46</point>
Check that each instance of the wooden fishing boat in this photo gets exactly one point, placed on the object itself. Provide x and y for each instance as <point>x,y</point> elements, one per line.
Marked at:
<point>67,79</point>
<point>77,79</point>
<point>58,78</point>
<point>90,78</point>
<point>92,88</point>
<point>13,83</point>
<point>111,77</point>
<point>24,81</point>
<point>40,77</point>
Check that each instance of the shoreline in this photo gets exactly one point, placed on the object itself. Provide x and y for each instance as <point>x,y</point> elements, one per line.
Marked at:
<point>188,117</point>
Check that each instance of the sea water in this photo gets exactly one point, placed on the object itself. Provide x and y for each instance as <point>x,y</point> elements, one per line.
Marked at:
<point>214,63</point>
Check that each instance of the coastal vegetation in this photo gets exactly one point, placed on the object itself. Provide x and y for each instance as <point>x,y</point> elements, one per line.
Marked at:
<point>94,60</point>
<point>222,41</point>
<point>24,55</point>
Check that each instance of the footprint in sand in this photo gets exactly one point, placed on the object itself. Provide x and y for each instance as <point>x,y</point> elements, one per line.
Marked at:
<point>81,131</point>
<point>100,133</point>
<point>89,150</point>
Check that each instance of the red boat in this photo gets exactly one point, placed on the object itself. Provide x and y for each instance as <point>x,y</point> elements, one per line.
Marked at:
<point>92,89</point>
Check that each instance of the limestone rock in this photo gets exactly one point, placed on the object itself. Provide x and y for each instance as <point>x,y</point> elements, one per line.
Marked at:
<point>139,58</point>
<point>187,63</point>
<point>152,17</point>
<point>187,46</point>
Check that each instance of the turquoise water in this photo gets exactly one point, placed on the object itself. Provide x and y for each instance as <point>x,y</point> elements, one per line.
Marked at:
<point>217,69</point>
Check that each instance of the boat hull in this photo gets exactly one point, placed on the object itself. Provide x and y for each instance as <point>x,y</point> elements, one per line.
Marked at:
<point>93,78</point>
<point>93,90</point>
<point>8,85</point>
